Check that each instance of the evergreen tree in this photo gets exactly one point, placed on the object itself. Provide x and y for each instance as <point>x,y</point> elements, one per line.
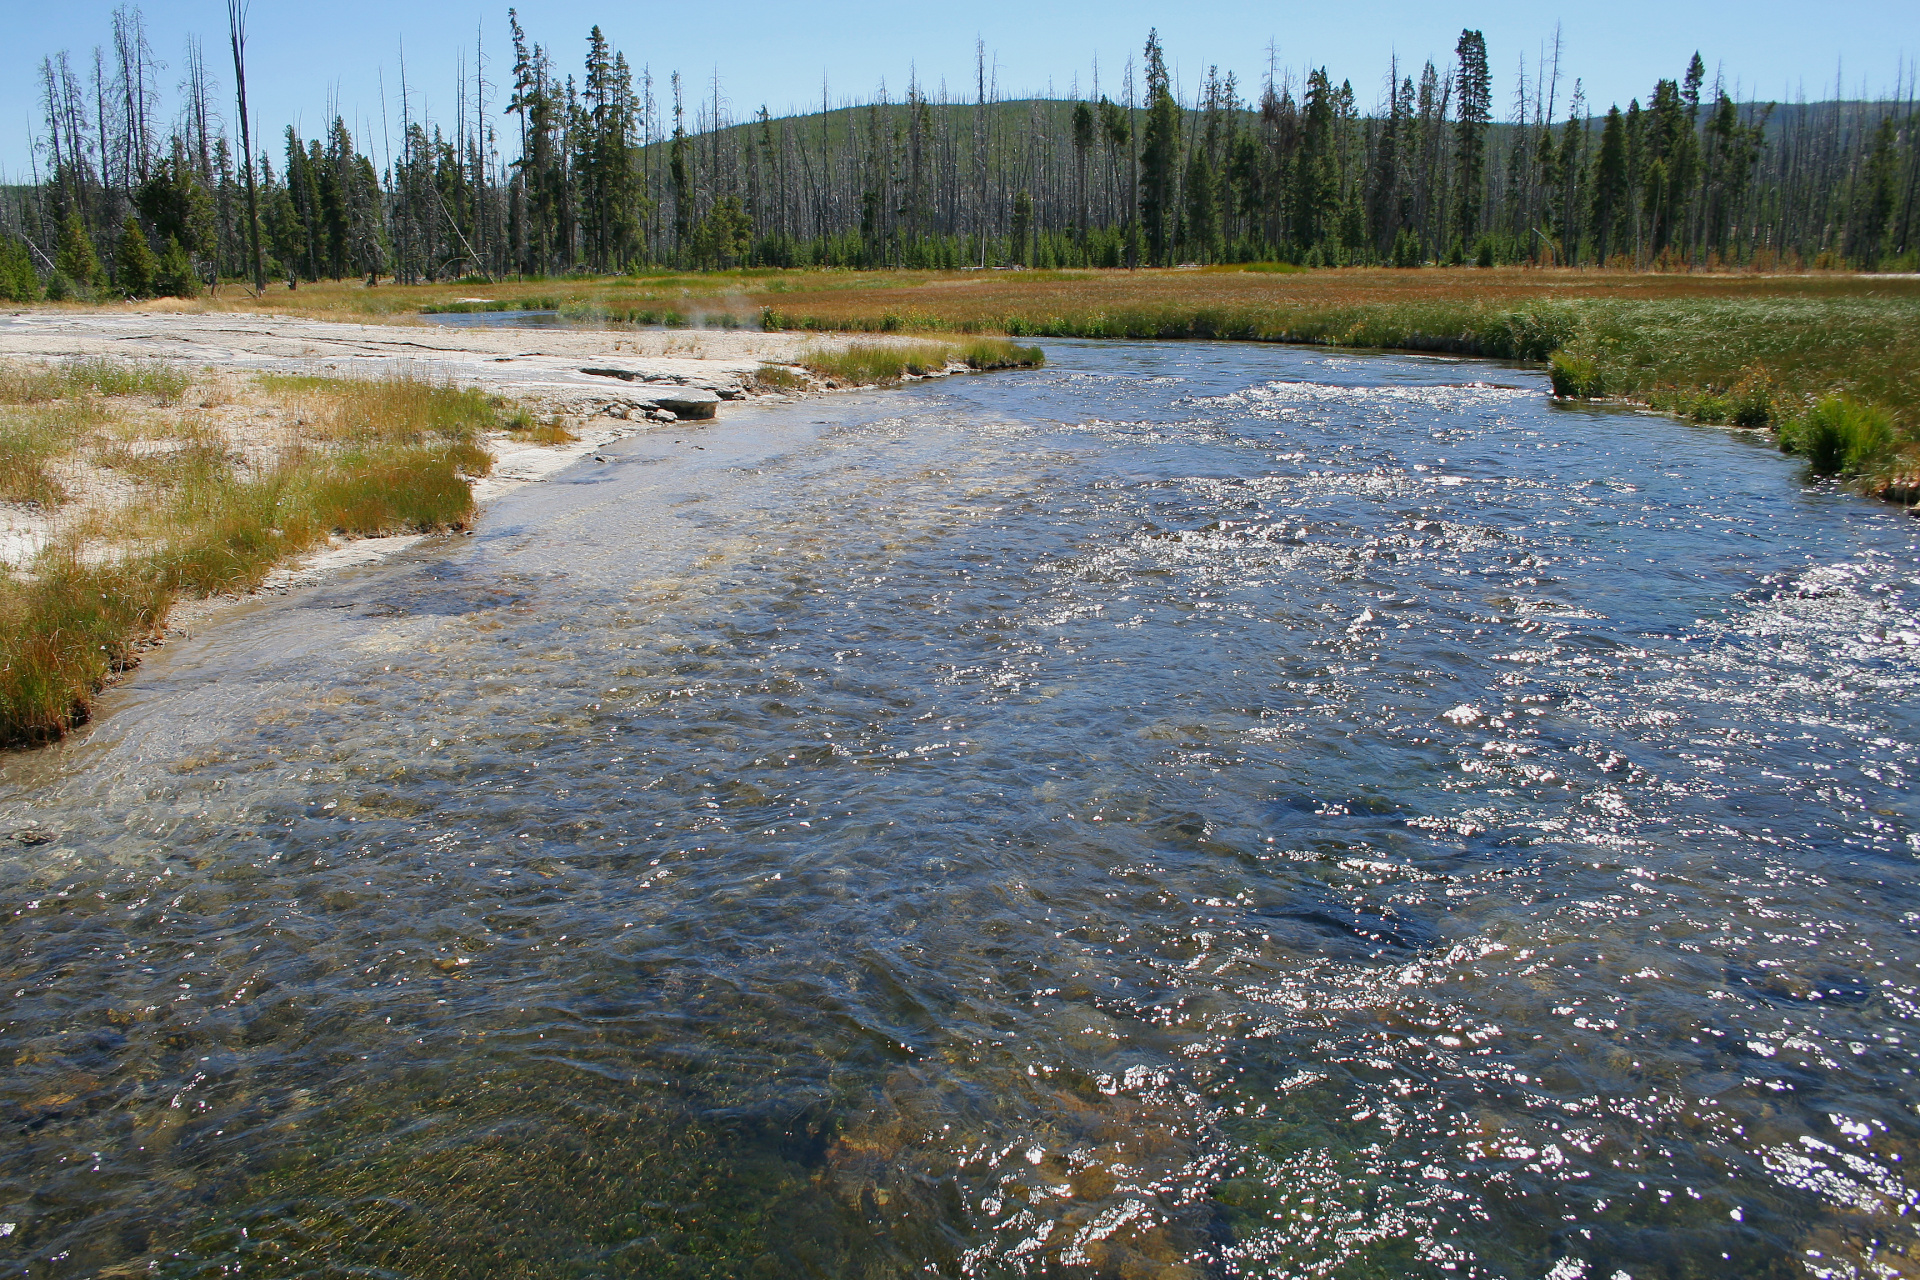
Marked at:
<point>1475,86</point>
<point>1610,191</point>
<point>75,258</point>
<point>1315,177</point>
<point>1084,130</point>
<point>1159,155</point>
<point>1203,210</point>
<point>133,262</point>
<point>173,275</point>
<point>723,237</point>
<point>1873,198</point>
<point>1022,249</point>
<point>18,281</point>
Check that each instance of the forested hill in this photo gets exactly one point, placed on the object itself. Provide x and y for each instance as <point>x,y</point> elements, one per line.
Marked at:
<point>600,170</point>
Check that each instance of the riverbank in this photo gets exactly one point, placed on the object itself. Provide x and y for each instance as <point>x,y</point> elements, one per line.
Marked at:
<point>157,468</point>
<point>1740,349</point>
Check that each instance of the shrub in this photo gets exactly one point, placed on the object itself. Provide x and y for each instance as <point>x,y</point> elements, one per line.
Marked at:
<point>1708,407</point>
<point>1841,436</point>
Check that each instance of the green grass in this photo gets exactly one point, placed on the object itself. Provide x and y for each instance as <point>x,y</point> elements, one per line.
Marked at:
<point>883,363</point>
<point>1842,436</point>
<point>32,438</point>
<point>31,384</point>
<point>777,377</point>
<point>63,632</point>
<point>522,425</point>
<point>375,457</point>
<point>1833,378</point>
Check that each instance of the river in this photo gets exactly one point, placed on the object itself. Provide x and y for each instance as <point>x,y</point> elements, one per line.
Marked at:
<point>1194,810</point>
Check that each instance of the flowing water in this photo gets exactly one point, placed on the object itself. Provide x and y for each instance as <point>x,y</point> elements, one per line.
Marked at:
<point>1195,810</point>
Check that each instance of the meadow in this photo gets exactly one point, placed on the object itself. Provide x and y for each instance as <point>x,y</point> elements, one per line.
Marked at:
<point>1743,349</point>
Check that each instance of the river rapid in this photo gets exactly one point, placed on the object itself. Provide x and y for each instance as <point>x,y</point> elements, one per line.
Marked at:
<point>1194,810</point>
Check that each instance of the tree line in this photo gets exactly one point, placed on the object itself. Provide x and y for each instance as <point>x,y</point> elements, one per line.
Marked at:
<point>609,171</point>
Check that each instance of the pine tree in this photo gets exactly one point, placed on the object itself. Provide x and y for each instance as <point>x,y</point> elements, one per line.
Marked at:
<point>18,283</point>
<point>1873,198</point>
<point>1610,191</point>
<point>133,263</point>
<point>1159,154</point>
<point>1083,135</point>
<point>75,258</point>
<point>173,275</point>
<point>1475,87</point>
<point>1203,209</point>
<point>1022,249</point>
<point>1315,176</point>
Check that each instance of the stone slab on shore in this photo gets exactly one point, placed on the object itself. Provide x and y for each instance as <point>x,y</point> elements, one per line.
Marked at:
<point>581,372</point>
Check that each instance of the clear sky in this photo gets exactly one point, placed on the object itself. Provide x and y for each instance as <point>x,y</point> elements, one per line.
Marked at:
<point>303,56</point>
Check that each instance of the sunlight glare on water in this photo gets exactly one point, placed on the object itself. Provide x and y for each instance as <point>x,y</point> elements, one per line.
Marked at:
<point>1195,810</point>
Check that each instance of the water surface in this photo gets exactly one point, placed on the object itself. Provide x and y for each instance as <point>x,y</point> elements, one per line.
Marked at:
<point>1194,810</point>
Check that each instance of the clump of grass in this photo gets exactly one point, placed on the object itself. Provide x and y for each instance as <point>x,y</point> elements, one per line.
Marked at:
<point>223,533</point>
<point>1752,400</point>
<point>63,632</point>
<point>396,489</point>
<point>191,450</point>
<point>30,441</point>
<point>1842,436</point>
<point>998,353</point>
<point>380,457</point>
<point>883,363</point>
<point>40,384</point>
<point>777,377</point>
<point>522,425</point>
<point>1575,377</point>
<point>397,411</point>
<point>876,363</point>
<point>123,378</point>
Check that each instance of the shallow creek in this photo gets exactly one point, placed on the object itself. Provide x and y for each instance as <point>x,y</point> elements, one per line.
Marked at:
<point>1194,810</point>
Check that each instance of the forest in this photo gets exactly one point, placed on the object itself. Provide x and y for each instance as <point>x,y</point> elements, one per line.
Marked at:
<point>607,170</point>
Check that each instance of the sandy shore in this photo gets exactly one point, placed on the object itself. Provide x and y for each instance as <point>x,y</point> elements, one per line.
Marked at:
<point>643,379</point>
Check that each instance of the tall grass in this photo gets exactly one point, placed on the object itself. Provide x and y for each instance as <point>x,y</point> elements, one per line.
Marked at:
<point>883,363</point>
<point>38,384</point>
<point>396,410</point>
<point>63,632</point>
<point>32,439</point>
<point>1842,436</point>
<point>372,457</point>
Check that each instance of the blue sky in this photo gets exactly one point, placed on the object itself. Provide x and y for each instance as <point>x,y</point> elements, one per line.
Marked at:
<point>304,56</point>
